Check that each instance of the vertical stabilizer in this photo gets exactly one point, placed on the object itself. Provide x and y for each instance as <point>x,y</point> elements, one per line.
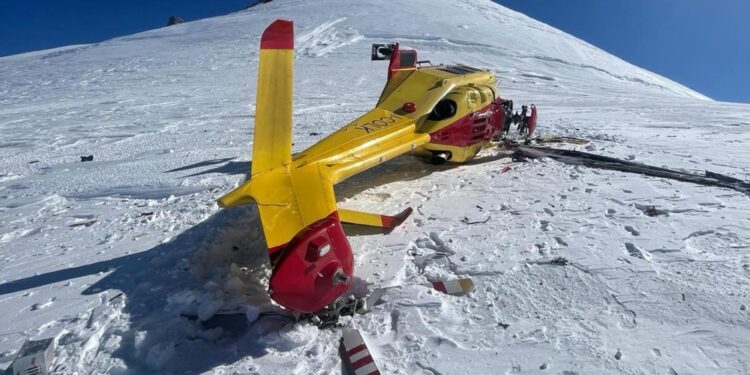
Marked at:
<point>272,140</point>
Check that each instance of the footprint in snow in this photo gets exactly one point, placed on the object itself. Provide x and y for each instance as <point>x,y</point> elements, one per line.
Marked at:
<point>632,230</point>
<point>544,225</point>
<point>634,251</point>
<point>43,305</point>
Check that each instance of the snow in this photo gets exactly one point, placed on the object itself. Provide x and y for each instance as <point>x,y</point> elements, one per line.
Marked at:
<point>167,115</point>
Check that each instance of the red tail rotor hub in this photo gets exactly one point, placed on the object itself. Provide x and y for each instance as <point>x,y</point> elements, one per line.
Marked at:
<point>315,268</point>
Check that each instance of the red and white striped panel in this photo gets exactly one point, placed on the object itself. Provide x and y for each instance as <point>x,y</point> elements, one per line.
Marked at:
<point>355,354</point>
<point>458,287</point>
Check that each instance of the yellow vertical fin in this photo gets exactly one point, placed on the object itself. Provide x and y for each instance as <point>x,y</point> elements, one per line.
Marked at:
<point>272,140</point>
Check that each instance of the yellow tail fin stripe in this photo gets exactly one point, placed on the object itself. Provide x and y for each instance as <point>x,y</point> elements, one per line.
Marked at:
<point>360,217</point>
<point>272,139</point>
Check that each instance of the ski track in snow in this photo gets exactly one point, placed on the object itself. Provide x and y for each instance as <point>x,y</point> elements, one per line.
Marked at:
<point>125,259</point>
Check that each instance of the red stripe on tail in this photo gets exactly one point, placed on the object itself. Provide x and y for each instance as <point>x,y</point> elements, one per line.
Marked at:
<point>280,35</point>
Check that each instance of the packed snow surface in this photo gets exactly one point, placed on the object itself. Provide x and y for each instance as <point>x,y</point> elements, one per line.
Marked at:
<point>126,259</point>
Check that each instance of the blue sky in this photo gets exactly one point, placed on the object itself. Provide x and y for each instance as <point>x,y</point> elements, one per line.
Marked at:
<point>29,25</point>
<point>700,43</point>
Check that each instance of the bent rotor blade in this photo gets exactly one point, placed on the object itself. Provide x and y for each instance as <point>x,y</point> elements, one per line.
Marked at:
<point>355,355</point>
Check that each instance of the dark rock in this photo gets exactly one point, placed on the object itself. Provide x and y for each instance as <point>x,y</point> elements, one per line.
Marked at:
<point>173,20</point>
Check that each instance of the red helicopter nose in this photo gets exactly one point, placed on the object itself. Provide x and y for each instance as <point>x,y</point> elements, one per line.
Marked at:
<point>315,268</point>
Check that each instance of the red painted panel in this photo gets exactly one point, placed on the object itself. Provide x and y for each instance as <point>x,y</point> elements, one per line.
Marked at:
<point>391,222</point>
<point>401,59</point>
<point>303,277</point>
<point>279,35</point>
<point>473,128</point>
<point>531,124</point>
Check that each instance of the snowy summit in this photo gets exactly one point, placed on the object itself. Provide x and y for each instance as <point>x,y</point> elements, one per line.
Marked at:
<point>112,157</point>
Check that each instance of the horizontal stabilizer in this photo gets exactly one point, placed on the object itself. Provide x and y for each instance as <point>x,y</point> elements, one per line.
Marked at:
<point>374,220</point>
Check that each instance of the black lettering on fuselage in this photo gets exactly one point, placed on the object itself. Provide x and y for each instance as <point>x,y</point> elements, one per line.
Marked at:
<point>380,123</point>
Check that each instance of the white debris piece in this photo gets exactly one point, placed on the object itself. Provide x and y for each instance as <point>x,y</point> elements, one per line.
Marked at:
<point>355,354</point>
<point>34,358</point>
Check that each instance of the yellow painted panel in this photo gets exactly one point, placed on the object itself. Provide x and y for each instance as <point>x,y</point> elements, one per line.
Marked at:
<point>272,140</point>
<point>360,217</point>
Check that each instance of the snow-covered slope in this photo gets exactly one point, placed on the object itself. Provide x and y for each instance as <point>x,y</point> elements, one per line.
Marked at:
<point>168,114</point>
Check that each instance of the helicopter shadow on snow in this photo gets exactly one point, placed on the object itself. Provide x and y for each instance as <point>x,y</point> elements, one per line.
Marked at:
<point>225,166</point>
<point>169,286</point>
<point>403,168</point>
<point>160,285</point>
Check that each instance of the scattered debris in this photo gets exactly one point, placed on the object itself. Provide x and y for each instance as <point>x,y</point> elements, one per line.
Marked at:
<point>34,357</point>
<point>560,139</point>
<point>355,354</point>
<point>87,158</point>
<point>83,224</point>
<point>466,221</point>
<point>457,287</point>
<point>651,210</point>
<point>557,261</point>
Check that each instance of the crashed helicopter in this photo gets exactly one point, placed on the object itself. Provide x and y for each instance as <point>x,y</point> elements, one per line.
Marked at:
<point>446,113</point>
